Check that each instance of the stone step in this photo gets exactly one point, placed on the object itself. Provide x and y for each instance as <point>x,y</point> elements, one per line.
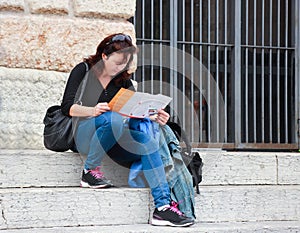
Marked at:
<point>52,207</point>
<point>39,188</point>
<point>44,168</point>
<point>232,227</point>
<point>61,207</point>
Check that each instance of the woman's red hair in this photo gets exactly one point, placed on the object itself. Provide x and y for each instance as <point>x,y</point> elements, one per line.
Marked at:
<point>108,47</point>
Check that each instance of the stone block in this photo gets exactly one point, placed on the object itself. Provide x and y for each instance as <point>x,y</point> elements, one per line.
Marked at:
<point>54,7</point>
<point>105,9</point>
<point>288,168</point>
<point>58,207</point>
<point>25,94</point>
<point>49,207</point>
<point>43,168</point>
<point>248,203</point>
<point>8,5</point>
<point>52,43</point>
<point>228,227</point>
<point>224,168</point>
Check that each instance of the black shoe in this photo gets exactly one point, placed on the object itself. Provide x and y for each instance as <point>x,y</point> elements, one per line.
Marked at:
<point>171,216</point>
<point>94,179</point>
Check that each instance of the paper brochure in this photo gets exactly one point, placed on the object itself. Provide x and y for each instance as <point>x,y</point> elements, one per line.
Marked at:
<point>137,104</point>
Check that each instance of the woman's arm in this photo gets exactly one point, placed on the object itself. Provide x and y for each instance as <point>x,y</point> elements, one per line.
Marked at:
<point>83,111</point>
<point>75,78</point>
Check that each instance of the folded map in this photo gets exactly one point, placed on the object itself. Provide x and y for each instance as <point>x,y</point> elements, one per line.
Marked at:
<point>137,104</point>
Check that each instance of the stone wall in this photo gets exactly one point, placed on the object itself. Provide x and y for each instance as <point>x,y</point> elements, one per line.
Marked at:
<point>40,42</point>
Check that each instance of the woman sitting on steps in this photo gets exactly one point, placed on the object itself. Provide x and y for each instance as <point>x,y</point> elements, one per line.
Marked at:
<point>100,130</point>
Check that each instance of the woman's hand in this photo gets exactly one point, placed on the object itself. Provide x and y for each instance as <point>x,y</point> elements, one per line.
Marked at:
<point>101,108</point>
<point>162,117</point>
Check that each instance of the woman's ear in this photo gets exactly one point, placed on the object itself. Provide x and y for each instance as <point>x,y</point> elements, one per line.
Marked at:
<point>104,56</point>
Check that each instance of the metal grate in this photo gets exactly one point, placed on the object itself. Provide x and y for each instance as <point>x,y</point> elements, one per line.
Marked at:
<point>230,66</point>
<point>268,48</point>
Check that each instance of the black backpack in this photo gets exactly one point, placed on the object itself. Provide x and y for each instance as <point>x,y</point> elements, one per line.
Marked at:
<point>192,160</point>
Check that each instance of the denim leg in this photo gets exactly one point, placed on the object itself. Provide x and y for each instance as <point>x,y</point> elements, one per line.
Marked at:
<point>96,136</point>
<point>136,145</point>
<point>155,175</point>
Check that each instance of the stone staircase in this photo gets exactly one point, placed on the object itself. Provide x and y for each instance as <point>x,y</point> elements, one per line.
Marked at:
<point>240,192</point>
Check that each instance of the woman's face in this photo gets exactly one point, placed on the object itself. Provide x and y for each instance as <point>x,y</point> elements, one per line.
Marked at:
<point>115,63</point>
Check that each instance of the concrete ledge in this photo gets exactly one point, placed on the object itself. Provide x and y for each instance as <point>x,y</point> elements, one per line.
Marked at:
<point>289,168</point>
<point>50,169</point>
<point>37,207</point>
<point>248,203</point>
<point>57,207</point>
<point>41,168</point>
<point>233,227</point>
<point>23,208</point>
<point>221,167</point>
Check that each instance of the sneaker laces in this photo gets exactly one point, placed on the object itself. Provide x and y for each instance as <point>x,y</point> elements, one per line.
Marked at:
<point>174,208</point>
<point>97,173</point>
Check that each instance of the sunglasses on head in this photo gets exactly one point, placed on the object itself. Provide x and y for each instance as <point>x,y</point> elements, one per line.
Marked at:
<point>120,38</point>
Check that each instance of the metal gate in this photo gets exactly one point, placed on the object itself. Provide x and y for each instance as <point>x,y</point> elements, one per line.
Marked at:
<point>231,66</point>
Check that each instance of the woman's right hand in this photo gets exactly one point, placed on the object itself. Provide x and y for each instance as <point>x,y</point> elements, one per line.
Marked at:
<point>101,108</point>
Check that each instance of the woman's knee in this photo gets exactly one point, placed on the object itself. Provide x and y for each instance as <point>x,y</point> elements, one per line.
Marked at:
<point>111,121</point>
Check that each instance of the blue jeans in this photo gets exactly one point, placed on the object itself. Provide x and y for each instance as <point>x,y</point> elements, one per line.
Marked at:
<point>106,134</point>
